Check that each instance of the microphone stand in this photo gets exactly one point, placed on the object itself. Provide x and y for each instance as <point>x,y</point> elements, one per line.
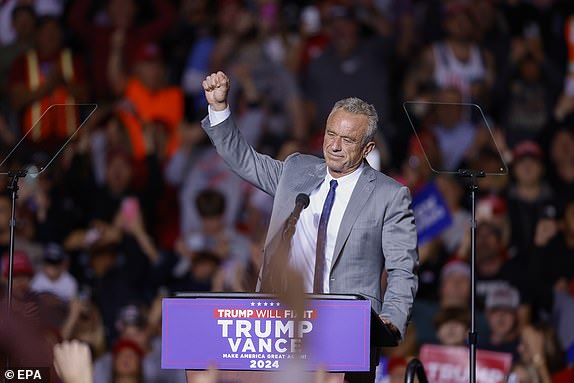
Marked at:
<point>13,189</point>
<point>472,335</point>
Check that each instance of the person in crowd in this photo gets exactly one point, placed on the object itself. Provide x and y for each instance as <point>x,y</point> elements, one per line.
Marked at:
<point>195,167</point>
<point>540,351</point>
<point>552,262</point>
<point>452,326</point>
<point>495,269</point>
<point>530,197</point>
<point>242,277</point>
<point>120,204</point>
<point>456,61</point>
<point>149,107</point>
<point>121,19</point>
<point>22,274</point>
<point>54,277</point>
<point>361,65</point>
<point>453,292</point>
<point>277,92</point>
<point>456,134</point>
<point>46,75</point>
<point>230,247</point>
<point>84,324</point>
<point>530,96</point>
<point>23,20</point>
<point>193,25</point>
<point>127,362</point>
<point>501,311</point>
<point>9,31</point>
<point>200,276</point>
<point>561,172</point>
<point>137,326</point>
<point>453,191</point>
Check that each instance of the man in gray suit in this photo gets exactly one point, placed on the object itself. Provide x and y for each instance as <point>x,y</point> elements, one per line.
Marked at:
<point>359,221</point>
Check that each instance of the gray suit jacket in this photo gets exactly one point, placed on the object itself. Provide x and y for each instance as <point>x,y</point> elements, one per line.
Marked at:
<point>377,231</point>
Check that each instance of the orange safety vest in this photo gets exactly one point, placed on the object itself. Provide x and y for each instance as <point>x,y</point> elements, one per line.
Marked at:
<point>165,105</point>
<point>49,116</point>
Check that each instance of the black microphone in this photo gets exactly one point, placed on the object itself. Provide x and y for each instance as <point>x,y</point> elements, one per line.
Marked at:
<point>301,202</point>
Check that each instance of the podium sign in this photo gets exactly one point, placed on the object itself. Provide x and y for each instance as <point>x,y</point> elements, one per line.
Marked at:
<point>260,334</point>
<point>450,364</point>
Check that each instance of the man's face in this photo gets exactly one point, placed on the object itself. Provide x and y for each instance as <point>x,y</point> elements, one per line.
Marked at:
<point>528,170</point>
<point>127,362</point>
<point>119,175</point>
<point>49,37</point>
<point>487,244</point>
<point>452,333</point>
<point>501,321</point>
<point>343,144</point>
<point>459,26</point>
<point>151,73</point>
<point>53,272</point>
<point>455,290</point>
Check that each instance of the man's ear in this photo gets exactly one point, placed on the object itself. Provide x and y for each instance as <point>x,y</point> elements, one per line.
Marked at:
<point>367,149</point>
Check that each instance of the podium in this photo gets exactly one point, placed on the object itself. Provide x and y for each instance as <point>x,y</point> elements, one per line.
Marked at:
<point>255,332</point>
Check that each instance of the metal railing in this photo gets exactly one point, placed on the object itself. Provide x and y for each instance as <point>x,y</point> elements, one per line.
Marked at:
<point>415,368</point>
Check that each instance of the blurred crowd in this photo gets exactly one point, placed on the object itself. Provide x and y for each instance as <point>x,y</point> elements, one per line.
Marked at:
<point>139,205</point>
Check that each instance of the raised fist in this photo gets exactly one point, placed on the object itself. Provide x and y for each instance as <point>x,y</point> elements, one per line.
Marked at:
<point>216,87</point>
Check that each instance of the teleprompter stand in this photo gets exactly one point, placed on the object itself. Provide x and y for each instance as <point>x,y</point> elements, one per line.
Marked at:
<point>24,159</point>
<point>439,118</point>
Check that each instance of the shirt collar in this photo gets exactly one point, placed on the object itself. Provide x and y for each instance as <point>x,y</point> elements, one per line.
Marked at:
<point>349,178</point>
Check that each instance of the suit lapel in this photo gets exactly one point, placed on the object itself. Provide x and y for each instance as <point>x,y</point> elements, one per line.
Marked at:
<point>316,175</point>
<point>362,192</point>
<point>303,183</point>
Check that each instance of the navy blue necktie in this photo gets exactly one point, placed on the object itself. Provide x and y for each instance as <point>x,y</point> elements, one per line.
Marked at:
<point>322,239</point>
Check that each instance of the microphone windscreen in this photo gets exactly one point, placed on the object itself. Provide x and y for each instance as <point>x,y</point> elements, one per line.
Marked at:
<point>302,199</point>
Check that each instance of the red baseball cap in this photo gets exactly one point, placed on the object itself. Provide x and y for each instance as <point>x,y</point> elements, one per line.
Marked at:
<point>124,343</point>
<point>148,51</point>
<point>527,148</point>
<point>22,264</point>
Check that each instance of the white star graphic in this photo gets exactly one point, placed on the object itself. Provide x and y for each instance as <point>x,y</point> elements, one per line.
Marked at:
<point>277,304</point>
<point>271,304</point>
<point>258,303</point>
<point>252,303</point>
<point>265,304</point>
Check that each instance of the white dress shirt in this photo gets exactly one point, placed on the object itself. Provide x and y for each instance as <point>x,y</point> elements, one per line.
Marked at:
<point>304,242</point>
<point>218,116</point>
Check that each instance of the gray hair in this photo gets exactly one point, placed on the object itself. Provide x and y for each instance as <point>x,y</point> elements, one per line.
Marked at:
<point>358,106</point>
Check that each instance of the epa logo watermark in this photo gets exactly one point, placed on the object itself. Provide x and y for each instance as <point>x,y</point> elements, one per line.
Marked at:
<point>37,375</point>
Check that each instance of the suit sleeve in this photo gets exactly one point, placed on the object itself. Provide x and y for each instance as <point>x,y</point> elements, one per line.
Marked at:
<point>256,168</point>
<point>399,243</point>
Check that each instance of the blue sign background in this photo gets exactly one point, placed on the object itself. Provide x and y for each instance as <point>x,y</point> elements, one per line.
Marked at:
<point>431,213</point>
